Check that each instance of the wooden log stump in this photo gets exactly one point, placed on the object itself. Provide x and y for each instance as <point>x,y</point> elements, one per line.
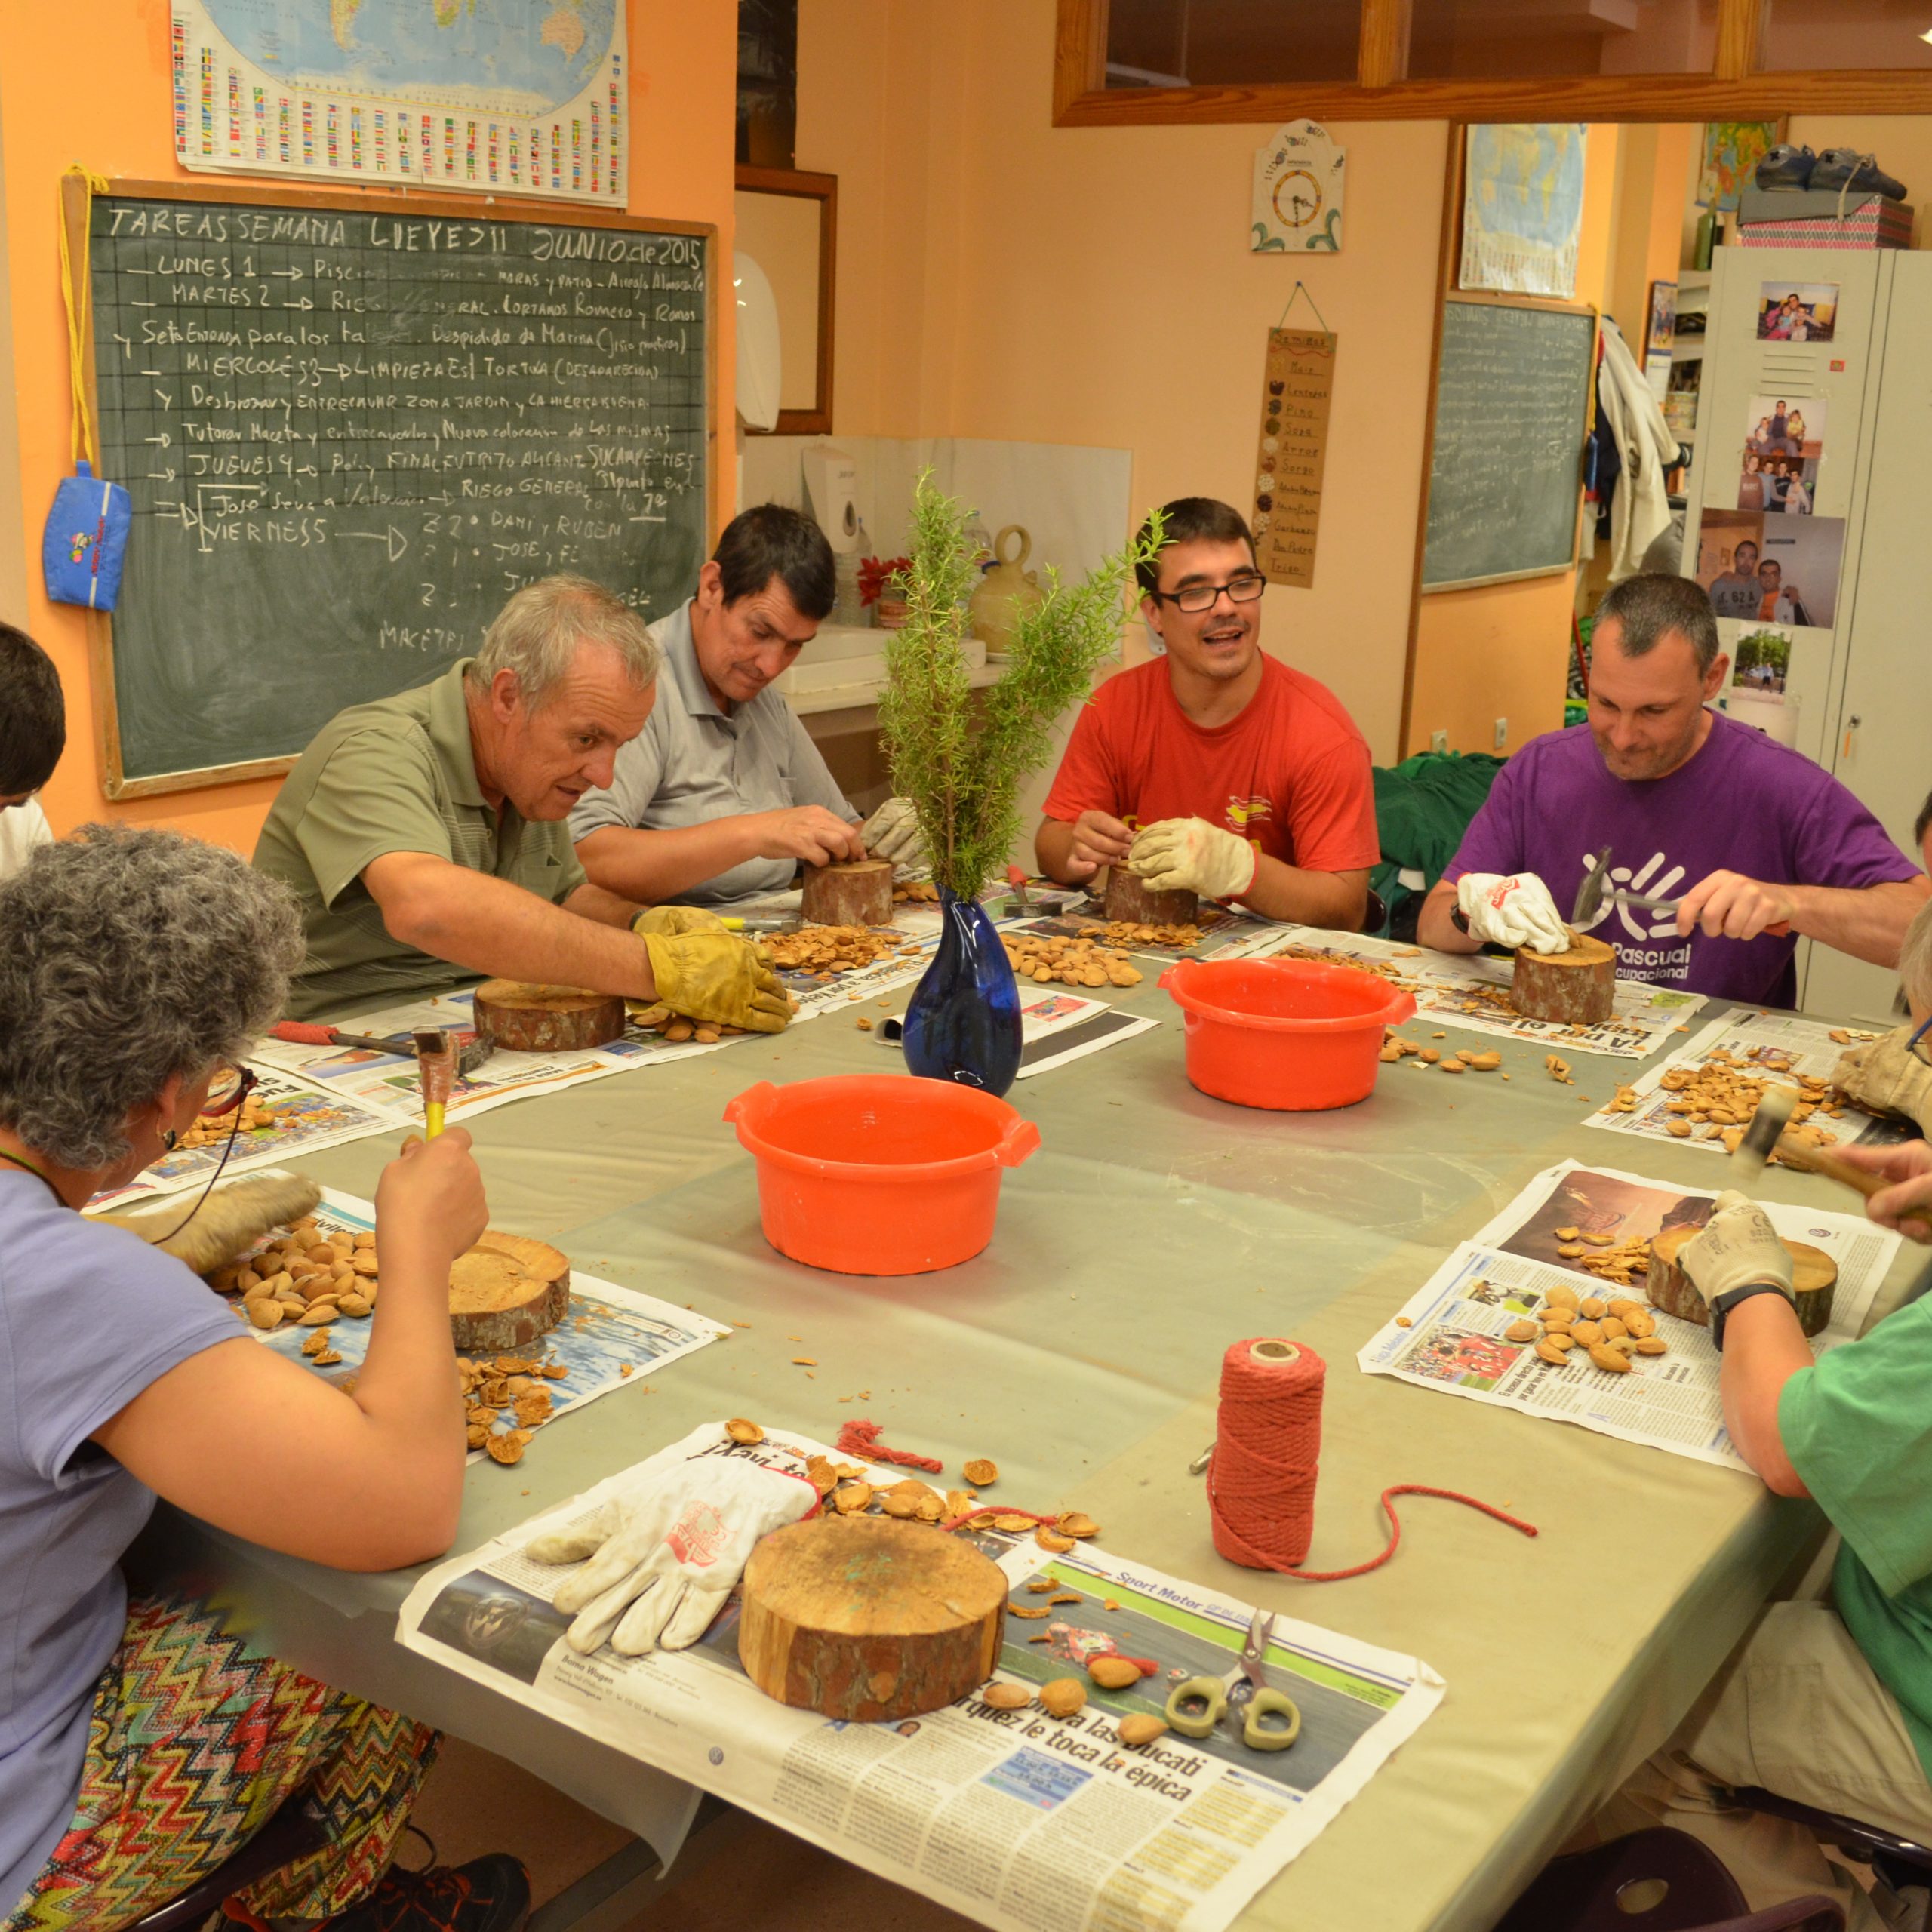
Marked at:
<point>1128,898</point>
<point>507,1292</point>
<point>857,892</point>
<point>547,1020</point>
<point>1576,988</point>
<point>869,1619</point>
<point>1814,1277</point>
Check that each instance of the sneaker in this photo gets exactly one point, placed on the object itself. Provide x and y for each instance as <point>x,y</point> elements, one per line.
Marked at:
<point>1784,166</point>
<point>1846,168</point>
<point>489,1894</point>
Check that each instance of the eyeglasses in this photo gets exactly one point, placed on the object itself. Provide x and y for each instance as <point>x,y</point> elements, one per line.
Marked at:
<point>1912,1046</point>
<point>230,1088</point>
<point>227,1088</point>
<point>1199,597</point>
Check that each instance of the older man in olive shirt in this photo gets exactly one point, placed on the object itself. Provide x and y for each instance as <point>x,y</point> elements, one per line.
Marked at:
<point>424,835</point>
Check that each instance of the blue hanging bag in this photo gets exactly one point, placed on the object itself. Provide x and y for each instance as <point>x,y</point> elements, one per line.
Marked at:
<point>86,537</point>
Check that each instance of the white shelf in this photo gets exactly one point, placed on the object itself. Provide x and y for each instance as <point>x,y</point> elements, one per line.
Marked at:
<point>851,698</point>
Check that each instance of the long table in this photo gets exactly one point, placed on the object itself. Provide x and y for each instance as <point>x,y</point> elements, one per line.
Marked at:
<point>1082,1351</point>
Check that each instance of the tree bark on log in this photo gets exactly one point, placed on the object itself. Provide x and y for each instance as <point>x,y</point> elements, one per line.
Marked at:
<point>857,892</point>
<point>1576,989</point>
<point>1129,898</point>
<point>869,1619</point>
<point>1814,1277</point>
<point>547,1020</point>
<point>507,1292</point>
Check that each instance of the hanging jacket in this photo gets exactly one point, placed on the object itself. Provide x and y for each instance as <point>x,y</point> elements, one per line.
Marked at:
<point>1640,510</point>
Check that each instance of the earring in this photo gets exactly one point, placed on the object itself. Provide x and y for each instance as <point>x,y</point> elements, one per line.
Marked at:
<point>168,1138</point>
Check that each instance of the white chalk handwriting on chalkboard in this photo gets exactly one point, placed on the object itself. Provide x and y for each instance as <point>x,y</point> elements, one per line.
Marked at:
<point>350,435</point>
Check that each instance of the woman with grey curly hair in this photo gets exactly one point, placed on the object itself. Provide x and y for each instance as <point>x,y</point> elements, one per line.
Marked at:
<point>136,966</point>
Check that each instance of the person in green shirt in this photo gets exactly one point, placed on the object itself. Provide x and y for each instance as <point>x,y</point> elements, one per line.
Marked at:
<point>1827,1702</point>
<point>425,835</point>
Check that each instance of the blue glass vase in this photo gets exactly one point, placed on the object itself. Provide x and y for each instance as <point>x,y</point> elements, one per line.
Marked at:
<point>963,1021</point>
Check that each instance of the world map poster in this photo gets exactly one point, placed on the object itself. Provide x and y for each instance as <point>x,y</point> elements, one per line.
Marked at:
<point>491,97</point>
<point>1523,208</point>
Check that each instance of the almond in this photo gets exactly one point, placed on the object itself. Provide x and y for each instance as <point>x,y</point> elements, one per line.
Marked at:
<point>1063,1697</point>
<point>1139,1727</point>
<point>1612,1359</point>
<point>1113,1673</point>
<point>1004,1696</point>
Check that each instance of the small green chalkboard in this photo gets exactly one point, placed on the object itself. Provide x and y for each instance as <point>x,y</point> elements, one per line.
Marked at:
<point>352,427</point>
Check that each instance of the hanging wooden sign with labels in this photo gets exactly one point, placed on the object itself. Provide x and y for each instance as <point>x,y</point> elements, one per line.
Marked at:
<point>1294,452</point>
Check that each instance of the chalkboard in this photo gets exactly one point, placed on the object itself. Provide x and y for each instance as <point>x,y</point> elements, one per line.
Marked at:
<point>1512,391</point>
<point>352,427</point>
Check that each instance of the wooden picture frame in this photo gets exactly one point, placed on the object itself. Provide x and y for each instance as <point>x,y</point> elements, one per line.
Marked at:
<point>823,189</point>
<point>1734,90</point>
<point>76,204</point>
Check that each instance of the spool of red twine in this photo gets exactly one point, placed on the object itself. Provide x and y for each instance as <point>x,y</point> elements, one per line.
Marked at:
<point>1267,1452</point>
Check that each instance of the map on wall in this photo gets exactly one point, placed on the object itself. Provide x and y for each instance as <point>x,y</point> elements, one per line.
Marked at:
<point>1523,208</point>
<point>493,96</point>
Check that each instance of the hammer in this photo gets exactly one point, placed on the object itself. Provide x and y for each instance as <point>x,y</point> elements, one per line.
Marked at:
<point>1762,1138</point>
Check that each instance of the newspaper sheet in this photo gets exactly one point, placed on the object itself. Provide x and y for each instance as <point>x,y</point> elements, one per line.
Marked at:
<point>1450,1334</point>
<point>1774,1044</point>
<point>1224,935</point>
<point>611,1336</point>
<point>1017,1820</point>
<point>1473,990</point>
<point>1061,1025</point>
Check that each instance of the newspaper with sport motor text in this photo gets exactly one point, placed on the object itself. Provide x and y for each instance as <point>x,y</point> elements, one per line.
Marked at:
<point>1452,1333</point>
<point>1020,1820</point>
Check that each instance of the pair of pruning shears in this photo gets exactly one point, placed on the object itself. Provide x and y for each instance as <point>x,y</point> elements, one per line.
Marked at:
<point>1269,1720</point>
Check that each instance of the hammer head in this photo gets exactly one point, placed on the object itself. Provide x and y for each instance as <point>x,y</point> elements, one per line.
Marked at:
<point>1773,1117</point>
<point>1589,894</point>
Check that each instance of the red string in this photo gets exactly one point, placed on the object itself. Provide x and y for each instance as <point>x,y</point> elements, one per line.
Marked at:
<point>861,1438</point>
<point>1261,1479</point>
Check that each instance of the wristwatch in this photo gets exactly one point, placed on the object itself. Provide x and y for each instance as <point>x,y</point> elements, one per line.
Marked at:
<point>1733,1297</point>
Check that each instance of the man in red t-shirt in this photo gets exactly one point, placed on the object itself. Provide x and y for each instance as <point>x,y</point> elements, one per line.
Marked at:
<point>1216,769</point>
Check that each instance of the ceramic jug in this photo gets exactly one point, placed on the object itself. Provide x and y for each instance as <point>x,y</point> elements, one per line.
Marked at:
<point>1006,591</point>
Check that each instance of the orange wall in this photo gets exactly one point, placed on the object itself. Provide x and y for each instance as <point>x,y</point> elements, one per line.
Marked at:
<point>110,112</point>
<point>1002,278</point>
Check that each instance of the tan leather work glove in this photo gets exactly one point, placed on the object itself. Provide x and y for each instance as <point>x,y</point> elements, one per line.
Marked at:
<point>1885,1076</point>
<point>1190,855</point>
<point>893,832</point>
<point>718,977</point>
<point>674,922</point>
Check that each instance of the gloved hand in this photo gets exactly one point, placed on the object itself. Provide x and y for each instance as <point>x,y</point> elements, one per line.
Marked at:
<point>893,832</point>
<point>674,922</point>
<point>717,976</point>
<point>1190,855</point>
<point>1885,1077</point>
<point>663,1558</point>
<point>1516,910</point>
<point>224,1226</point>
<point>1739,1248</point>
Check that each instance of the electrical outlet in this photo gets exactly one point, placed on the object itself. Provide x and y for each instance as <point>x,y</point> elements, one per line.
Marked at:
<point>1502,733</point>
<point>1438,741</point>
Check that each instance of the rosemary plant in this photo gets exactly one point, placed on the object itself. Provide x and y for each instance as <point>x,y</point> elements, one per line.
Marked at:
<point>964,780</point>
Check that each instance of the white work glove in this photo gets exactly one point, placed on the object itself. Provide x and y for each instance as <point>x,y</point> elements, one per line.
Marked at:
<point>659,1561</point>
<point>674,922</point>
<point>1516,910</point>
<point>1190,855</point>
<point>1884,1076</point>
<point>1738,1254</point>
<point>893,832</point>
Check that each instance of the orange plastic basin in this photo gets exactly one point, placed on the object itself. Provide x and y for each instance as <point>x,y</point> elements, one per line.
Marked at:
<point>879,1173</point>
<point>1294,1035</point>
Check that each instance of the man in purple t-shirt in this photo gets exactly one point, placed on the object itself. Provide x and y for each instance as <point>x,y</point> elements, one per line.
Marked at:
<point>1759,844</point>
